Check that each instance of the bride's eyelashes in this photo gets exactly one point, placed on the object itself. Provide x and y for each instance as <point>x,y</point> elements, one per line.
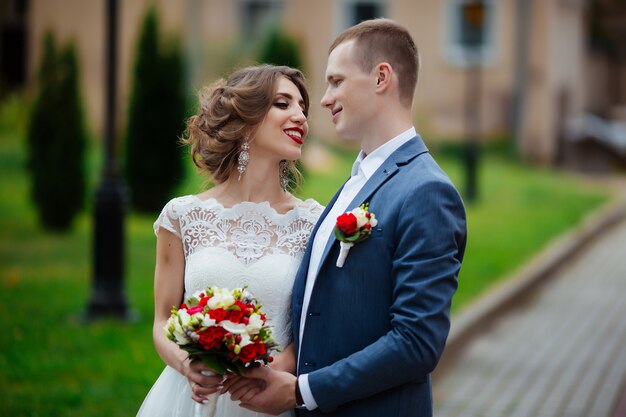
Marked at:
<point>284,106</point>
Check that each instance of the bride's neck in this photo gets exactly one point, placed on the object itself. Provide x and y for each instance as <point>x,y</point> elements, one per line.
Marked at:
<point>257,184</point>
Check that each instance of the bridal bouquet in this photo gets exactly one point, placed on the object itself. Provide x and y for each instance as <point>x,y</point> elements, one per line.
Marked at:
<point>225,328</point>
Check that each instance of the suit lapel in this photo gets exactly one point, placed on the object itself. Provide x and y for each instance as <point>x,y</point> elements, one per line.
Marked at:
<point>388,169</point>
<point>304,266</point>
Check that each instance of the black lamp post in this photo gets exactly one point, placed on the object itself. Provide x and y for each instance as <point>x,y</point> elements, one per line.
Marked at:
<point>473,40</point>
<point>107,298</point>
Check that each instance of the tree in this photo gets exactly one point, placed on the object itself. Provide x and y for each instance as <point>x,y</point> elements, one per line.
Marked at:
<point>153,159</point>
<point>280,49</point>
<point>57,139</point>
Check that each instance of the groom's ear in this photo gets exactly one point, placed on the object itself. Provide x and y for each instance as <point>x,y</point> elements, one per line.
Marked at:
<point>383,74</point>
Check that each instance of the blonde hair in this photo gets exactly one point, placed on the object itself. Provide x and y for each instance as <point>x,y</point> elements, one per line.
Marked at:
<point>229,112</point>
<point>383,40</point>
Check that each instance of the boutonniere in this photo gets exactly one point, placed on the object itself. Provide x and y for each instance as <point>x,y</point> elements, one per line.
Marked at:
<point>353,227</point>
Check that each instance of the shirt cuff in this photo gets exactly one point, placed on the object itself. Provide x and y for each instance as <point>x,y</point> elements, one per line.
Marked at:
<point>305,390</point>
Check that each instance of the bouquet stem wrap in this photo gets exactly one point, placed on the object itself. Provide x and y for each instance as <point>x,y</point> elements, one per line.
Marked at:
<point>344,248</point>
<point>206,410</point>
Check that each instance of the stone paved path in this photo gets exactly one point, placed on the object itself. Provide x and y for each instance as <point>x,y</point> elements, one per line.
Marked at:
<point>561,355</point>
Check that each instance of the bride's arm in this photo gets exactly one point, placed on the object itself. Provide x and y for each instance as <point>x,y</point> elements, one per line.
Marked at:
<point>168,292</point>
<point>285,360</point>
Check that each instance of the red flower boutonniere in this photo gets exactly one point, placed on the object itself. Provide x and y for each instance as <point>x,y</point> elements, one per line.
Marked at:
<point>353,227</point>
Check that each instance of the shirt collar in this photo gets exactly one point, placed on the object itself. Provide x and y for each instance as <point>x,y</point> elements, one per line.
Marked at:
<point>368,164</point>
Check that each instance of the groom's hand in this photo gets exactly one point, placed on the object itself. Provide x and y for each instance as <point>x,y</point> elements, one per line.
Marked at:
<point>241,388</point>
<point>278,396</point>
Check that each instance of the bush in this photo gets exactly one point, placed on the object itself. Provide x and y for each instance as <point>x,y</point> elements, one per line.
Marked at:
<point>280,49</point>
<point>153,162</point>
<point>57,139</point>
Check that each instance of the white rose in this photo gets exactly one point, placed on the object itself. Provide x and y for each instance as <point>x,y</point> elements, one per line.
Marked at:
<point>183,317</point>
<point>246,296</point>
<point>207,321</point>
<point>196,320</point>
<point>179,333</point>
<point>234,328</point>
<point>221,299</point>
<point>255,324</point>
<point>362,219</point>
<point>197,294</point>
<point>245,340</point>
<point>373,220</point>
<point>359,213</point>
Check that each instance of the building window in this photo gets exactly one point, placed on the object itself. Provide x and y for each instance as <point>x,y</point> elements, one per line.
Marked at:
<point>365,11</point>
<point>352,12</point>
<point>13,44</point>
<point>469,36</point>
<point>258,16</point>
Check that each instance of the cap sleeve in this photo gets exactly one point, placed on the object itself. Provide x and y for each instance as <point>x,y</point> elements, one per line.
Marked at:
<point>169,219</point>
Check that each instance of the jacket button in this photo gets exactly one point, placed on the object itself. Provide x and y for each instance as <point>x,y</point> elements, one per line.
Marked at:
<point>313,314</point>
<point>309,363</point>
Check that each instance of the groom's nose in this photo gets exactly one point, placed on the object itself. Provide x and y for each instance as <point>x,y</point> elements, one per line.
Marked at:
<point>327,100</point>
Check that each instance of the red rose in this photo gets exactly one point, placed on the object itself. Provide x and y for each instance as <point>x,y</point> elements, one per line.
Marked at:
<point>235,316</point>
<point>242,306</point>
<point>347,223</point>
<point>204,301</point>
<point>212,337</point>
<point>218,314</point>
<point>250,352</point>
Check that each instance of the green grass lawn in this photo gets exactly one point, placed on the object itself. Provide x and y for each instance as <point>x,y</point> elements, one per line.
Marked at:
<point>54,365</point>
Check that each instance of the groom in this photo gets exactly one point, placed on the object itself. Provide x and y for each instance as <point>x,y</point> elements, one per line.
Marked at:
<point>368,335</point>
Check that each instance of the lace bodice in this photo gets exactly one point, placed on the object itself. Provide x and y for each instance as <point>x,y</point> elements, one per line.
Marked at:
<point>249,244</point>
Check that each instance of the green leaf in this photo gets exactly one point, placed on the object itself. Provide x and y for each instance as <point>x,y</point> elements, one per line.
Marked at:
<point>339,234</point>
<point>215,363</point>
<point>354,237</point>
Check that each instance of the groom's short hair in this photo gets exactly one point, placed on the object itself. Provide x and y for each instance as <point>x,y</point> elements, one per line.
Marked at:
<point>383,40</point>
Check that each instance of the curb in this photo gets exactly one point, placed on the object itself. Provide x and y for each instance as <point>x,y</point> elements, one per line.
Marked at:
<point>509,295</point>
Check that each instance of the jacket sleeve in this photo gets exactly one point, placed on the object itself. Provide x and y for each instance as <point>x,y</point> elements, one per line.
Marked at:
<point>429,240</point>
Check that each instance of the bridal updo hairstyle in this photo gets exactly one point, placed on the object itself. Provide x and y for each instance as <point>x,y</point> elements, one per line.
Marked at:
<point>230,110</point>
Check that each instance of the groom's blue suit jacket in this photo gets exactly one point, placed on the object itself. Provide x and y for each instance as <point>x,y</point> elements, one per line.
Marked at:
<point>375,329</point>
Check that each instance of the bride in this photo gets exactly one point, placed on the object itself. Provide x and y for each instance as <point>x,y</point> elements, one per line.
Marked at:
<point>247,230</point>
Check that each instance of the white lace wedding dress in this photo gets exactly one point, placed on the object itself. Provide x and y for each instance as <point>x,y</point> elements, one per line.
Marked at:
<point>250,245</point>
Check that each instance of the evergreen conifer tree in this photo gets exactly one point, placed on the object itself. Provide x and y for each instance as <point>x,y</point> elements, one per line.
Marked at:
<point>153,159</point>
<point>57,139</point>
<point>280,49</point>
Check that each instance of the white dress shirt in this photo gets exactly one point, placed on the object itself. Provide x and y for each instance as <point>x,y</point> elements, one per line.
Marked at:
<point>362,170</point>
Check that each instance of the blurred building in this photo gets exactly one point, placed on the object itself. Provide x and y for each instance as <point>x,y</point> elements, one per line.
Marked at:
<point>539,66</point>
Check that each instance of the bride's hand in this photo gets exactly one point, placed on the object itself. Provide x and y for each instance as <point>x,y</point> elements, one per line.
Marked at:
<point>203,381</point>
<point>242,388</point>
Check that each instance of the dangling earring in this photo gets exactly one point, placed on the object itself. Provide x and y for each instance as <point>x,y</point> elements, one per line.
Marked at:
<point>284,175</point>
<point>244,157</point>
